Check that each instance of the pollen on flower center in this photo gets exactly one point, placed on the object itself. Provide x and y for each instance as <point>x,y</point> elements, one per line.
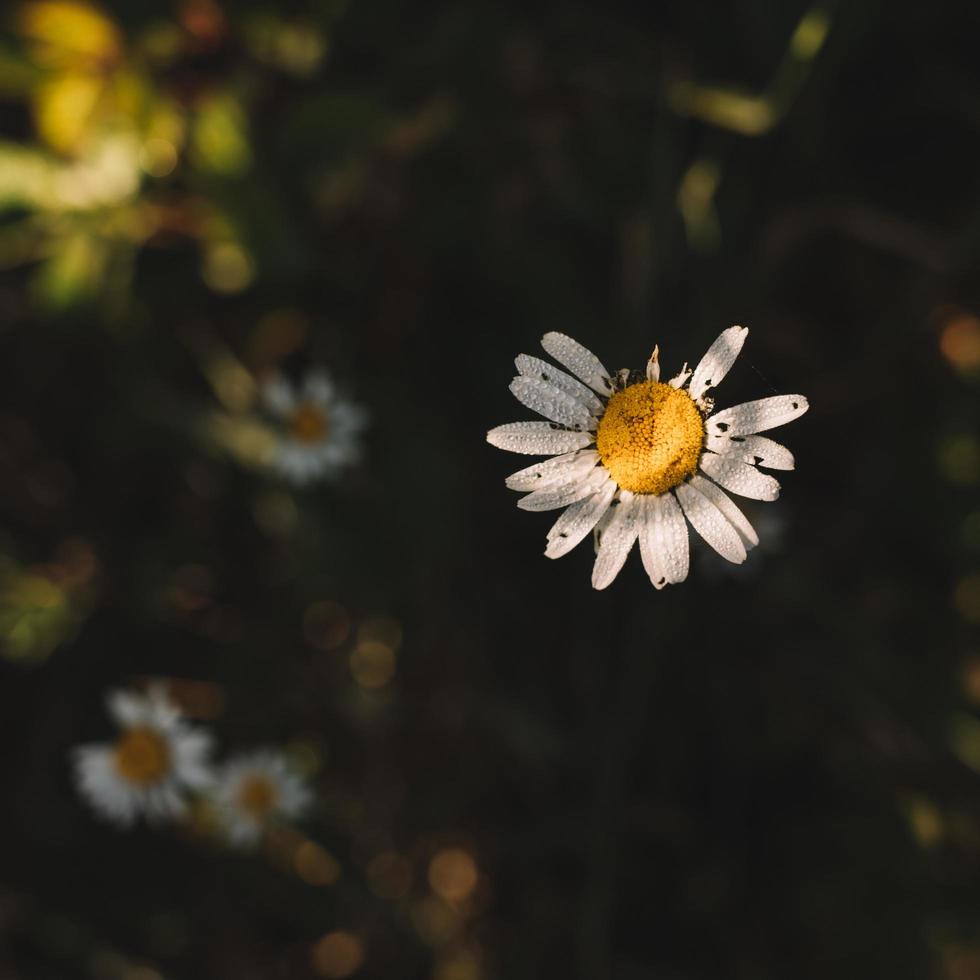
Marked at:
<point>308,422</point>
<point>650,437</point>
<point>142,756</point>
<point>257,796</point>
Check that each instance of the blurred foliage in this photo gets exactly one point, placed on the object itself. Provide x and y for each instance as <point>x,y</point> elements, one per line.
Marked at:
<point>43,606</point>
<point>771,771</point>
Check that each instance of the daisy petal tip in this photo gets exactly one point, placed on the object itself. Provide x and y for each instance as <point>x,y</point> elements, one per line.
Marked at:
<point>553,551</point>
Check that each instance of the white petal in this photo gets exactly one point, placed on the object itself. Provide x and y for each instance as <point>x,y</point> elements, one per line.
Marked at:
<point>552,472</point>
<point>278,395</point>
<point>751,417</point>
<point>553,404</point>
<point>739,477</point>
<point>653,365</point>
<point>579,360</point>
<point>671,540</point>
<point>578,520</point>
<point>710,523</point>
<point>317,387</point>
<point>717,362</point>
<point>127,709</point>
<point>650,552</point>
<point>347,417</point>
<point>679,379</point>
<point>534,367</point>
<point>757,450</point>
<point>537,438</point>
<point>617,540</point>
<point>727,506</point>
<point>564,495</point>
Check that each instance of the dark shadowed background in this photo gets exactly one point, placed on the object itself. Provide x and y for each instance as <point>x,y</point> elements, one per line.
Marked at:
<point>769,771</point>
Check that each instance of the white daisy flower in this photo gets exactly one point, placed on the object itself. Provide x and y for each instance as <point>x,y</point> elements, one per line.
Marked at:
<point>320,429</point>
<point>150,767</point>
<point>256,789</point>
<point>633,456</point>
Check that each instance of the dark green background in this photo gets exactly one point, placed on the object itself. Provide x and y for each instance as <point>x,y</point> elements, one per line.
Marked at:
<point>713,781</point>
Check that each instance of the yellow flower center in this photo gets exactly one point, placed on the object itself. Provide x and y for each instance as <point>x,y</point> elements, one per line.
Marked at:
<point>257,795</point>
<point>308,422</point>
<point>142,756</point>
<point>650,437</point>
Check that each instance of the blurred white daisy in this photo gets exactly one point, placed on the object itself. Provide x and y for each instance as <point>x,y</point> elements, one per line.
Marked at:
<point>252,791</point>
<point>157,758</point>
<point>633,456</point>
<point>320,431</point>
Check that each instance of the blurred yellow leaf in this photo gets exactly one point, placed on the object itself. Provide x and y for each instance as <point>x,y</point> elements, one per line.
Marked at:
<point>73,272</point>
<point>219,138</point>
<point>63,107</point>
<point>26,177</point>
<point>754,114</point>
<point>70,34</point>
<point>750,115</point>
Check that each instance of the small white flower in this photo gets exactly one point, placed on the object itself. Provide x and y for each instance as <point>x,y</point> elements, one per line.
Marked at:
<point>254,790</point>
<point>632,456</point>
<point>319,429</point>
<point>150,767</point>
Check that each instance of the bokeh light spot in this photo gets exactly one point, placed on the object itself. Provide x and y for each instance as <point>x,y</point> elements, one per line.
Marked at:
<point>315,866</point>
<point>158,157</point>
<point>926,822</point>
<point>372,664</point>
<point>453,874</point>
<point>959,460</point>
<point>460,965</point>
<point>959,342</point>
<point>967,598</point>
<point>338,954</point>
<point>228,268</point>
<point>326,624</point>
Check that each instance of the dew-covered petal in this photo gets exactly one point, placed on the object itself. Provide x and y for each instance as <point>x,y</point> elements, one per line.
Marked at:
<point>562,496</point>
<point>537,438</point>
<point>616,540</point>
<point>579,360</point>
<point>579,520</point>
<point>534,367</point>
<point>751,417</point>
<point>553,404</point>
<point>717,362</point>
<point>663,541</point>
<point>710,523</point>
<point>727,506</point>
<point>672,538</point>
<point>650,552</point>
<point>552,472</point>
<point>739,477</point>
<point>757,450</point>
